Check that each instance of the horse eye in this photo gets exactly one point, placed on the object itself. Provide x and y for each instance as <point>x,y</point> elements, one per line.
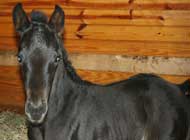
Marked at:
<point>58,58</point>
<point>19,58</point>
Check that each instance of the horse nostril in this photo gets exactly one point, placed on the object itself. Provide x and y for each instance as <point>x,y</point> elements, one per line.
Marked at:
<point>44,102</point>
<point>35,113</point>
<point>31,107</point>
<point>36,108</point>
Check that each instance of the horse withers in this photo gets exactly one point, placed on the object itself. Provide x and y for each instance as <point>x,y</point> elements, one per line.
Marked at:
<point>61,106</point>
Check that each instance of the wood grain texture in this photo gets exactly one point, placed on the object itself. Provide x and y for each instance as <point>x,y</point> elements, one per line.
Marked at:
<point>77,16</point>
<point>130,48</point>
<point>134,33</point>
<point>161,1</point>
<point>119,63</point>
<point>101,4</point>
<point>11,90</point>
<point>113,16</point>
<point>137,64</point>
<point>101,32</point>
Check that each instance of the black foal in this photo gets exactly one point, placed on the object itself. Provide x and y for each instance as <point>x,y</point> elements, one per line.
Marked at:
<point>61,106</point>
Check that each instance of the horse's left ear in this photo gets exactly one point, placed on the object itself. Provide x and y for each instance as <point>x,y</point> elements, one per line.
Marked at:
<point>20,18</point>
<point>57,20</point>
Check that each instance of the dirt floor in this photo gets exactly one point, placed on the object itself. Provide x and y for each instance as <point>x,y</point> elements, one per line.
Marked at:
<point>12,126</point>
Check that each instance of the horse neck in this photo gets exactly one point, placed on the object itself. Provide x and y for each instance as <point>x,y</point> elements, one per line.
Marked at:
<point>63,87</point>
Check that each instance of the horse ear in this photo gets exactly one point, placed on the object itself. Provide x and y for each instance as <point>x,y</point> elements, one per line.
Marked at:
<point>20,18</point>
<point>57,19</point>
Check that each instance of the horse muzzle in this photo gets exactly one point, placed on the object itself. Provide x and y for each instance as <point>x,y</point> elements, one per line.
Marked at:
<point>36,114</point>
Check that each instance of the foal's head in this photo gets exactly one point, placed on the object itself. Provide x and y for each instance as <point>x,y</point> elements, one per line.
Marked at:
<point>39,54</point>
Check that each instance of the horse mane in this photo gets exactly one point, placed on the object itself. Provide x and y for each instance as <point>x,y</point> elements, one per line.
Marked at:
<point>69,68</point>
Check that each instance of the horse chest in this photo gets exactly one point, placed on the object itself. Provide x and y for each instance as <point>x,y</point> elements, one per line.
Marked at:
<point>53,134</point>
<point>60,130</point>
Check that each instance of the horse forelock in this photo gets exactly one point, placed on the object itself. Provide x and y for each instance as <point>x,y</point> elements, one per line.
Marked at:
<point>37,16</point>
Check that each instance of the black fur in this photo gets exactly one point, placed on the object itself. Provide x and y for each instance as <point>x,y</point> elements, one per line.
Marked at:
<point>62,106</point>
<point>37,16</point>
<point>185,87</point>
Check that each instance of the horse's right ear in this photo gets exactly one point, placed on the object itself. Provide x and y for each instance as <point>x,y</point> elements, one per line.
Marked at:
<point>20,18</point>
<point>57,20</point>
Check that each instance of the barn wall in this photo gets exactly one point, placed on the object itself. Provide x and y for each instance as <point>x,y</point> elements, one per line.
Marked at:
<point>108,40</point>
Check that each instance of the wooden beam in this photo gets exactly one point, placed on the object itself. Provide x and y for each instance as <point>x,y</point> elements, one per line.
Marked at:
<point>136,64</point>
<point>120,63</point>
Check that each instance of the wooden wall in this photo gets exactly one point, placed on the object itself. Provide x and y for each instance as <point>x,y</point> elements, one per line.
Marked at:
<point>108,40</point>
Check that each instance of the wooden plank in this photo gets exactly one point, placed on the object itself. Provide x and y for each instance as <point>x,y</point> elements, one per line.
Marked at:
<point>121,4</point>
<point>11,90</point>
<point>94,15</point>
<point>130,48</point>
<point>101,32</point>
<point>134,1</point>
<point>161,17</point>
<point>103,1</point>
<point>120,63</point>
<point>137,64</point>
<point>161,4</point>
<point>137,17</point>
<point>163,14</point>
<point>116,17</point>
<point>88,1</point>
<point>133,21</point>
<point>132,33</point>
<point>161,1</point>
<point>132,4</point>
